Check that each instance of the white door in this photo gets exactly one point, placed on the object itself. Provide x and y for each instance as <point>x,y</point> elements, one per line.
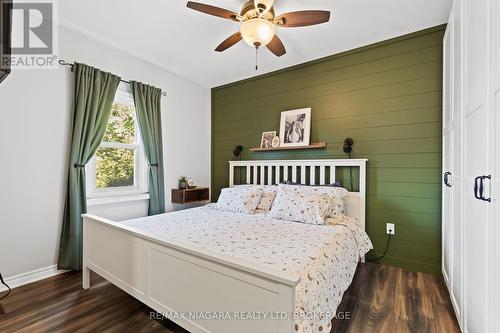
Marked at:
<point>494,318</point>
<point>446,190</point>
<point>476,151</point>
<point>456,134</point>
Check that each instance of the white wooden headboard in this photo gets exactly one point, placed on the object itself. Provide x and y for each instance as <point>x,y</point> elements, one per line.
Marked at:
<point>270,172</point>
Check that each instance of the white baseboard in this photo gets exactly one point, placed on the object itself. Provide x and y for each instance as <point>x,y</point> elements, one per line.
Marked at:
<point>28,277</point>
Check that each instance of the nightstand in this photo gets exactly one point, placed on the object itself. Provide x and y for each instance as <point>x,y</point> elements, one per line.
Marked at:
<point>190,195</point>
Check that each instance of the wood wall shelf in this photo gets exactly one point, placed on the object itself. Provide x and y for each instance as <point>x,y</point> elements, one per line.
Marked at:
<point>314,145</point>
<point>189,195</point>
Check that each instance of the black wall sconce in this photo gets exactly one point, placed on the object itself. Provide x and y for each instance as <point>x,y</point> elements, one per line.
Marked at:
<point>348,142</point>
<point>237,150</point>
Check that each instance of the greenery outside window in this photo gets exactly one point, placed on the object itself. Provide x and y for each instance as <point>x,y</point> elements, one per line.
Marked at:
<point>119,165</point>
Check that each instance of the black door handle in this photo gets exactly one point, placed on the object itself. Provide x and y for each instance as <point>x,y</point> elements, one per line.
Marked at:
<point>481,188</point>
<point>476,186</point>
<point>446,178</point>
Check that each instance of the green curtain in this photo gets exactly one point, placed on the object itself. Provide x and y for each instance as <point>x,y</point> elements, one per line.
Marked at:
<point>94,94</point>
<point>147,105</point>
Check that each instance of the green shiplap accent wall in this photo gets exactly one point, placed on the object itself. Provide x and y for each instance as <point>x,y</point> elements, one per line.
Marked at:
<point>387,97</point>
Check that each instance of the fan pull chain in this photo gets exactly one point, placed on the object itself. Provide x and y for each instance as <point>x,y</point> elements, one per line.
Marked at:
<point>256,59</point>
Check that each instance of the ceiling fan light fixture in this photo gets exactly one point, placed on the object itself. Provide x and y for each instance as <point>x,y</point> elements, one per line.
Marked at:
<point>263,6</point>
<point>259,23</point>
<point>257,32</point>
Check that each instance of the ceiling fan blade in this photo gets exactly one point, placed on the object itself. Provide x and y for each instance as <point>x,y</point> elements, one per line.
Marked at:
<point>228,42</point>
<point>276,46</point>
<point>212,10</point>
<point>303,18</point>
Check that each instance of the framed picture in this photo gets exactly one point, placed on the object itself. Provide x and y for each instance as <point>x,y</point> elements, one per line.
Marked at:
<point>295,128</point>
<point>267,139</point>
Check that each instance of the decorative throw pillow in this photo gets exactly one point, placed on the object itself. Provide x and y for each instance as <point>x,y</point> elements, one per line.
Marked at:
<point>239,199</point>
<point>336,195</point>
<point>267,197</point>
<point>306,207</point>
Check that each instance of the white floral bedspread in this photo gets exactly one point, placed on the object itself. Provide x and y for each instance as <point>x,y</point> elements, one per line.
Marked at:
<point>324,256</point>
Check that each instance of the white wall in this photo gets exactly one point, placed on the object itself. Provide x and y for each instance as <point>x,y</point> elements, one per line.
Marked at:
<point>35,116</point>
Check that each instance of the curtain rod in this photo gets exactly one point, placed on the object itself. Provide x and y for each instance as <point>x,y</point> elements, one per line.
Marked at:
<point>64,63</point>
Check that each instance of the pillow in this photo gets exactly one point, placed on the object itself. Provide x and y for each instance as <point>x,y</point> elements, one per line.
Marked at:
<point>239,199</point>
<point>267,197</point>
<point>291,204</point>
<point>336,194</point>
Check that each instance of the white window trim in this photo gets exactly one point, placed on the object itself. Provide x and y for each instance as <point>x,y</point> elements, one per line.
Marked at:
<point>92,202</point>
<point>123,95</point>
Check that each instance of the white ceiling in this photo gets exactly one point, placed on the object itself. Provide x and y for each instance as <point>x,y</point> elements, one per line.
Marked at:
<point>168,34</point>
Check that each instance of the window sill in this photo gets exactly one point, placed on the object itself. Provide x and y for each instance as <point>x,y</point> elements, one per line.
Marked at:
<point>116,199</point>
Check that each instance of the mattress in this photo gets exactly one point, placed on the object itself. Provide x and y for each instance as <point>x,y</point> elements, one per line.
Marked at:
<point>324,256</point>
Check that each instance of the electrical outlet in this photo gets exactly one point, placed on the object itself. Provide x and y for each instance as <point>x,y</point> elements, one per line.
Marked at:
<point>389,229</point>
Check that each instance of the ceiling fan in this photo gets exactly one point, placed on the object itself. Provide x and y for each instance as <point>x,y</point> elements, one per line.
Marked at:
<point>259,21</point>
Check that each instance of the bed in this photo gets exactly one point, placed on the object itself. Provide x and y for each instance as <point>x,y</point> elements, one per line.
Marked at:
<point>214,271</point>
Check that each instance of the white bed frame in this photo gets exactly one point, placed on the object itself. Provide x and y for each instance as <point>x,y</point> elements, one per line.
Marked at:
<point>186,284</point>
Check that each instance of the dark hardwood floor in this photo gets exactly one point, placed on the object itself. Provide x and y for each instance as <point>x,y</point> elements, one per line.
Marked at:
<point>389,299</point>
<point>381,299</point>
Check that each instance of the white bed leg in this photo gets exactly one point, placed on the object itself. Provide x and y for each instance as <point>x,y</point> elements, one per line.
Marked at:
<point>85,278</point>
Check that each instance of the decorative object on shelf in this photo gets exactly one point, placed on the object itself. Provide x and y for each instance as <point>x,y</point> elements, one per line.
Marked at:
<point>190,195</point>
<point>267,139</point>
<point>237,150</point>
<point>276,142</point>
<point>295,128</point>
<point>182,182</point>
<point>191,183</point>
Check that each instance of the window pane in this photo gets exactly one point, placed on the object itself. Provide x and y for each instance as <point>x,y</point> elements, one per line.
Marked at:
<point>114,167</point>
<point>121,127</point>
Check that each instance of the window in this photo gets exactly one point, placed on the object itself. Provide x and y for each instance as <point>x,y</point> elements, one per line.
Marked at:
<point>119,166</point>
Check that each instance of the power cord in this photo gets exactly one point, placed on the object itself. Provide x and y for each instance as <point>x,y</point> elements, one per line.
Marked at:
<point>347,148</point>
<point>385,251</point>
<point>350,174</point>
<point>5,284</point>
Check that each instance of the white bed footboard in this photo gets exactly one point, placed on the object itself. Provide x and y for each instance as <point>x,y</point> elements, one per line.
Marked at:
<point>188,286</point>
